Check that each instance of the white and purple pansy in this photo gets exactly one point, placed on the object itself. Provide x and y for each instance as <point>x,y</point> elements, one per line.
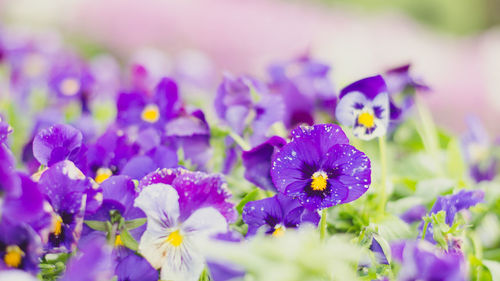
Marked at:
<point>170,242</point>
<point>364,106</point>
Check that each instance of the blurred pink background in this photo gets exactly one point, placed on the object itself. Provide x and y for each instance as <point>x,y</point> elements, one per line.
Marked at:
<point>244,36</point>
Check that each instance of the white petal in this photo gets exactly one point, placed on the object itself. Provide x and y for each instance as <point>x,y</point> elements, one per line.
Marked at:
<point>161,205</point>
<point>182,263</point>
<point>205,222</point>
<point>160,202</point>
<point>153,248</point>
<point>345,111</point>
<point>382,100</point>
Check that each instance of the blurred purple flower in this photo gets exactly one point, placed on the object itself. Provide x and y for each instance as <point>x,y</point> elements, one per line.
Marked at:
<point>398,80</point>
<point>20,247</point>
<point>452,204</point>
<point>477,148</point>
<point>413,214</point>
<point>423,261</point>
<point>305,86</point>
<point>258,160</point>
<point>320,168</point>
<point>95,261</point>
<point>275,214</point>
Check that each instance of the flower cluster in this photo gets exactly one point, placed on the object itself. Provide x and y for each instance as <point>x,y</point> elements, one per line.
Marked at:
<point>111,175</point>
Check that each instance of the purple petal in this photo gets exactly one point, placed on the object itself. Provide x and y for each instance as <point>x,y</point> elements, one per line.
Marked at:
<point>57,143</point>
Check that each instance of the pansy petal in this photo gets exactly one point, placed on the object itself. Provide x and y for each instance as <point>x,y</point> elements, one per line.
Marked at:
<point>160,204</point>
<point>265,212</point>
<point>182,266</point>
<point>346,107</point>
<point>206,222</point>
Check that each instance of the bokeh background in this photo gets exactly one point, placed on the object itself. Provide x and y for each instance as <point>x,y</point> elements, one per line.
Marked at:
<point>453,45</point>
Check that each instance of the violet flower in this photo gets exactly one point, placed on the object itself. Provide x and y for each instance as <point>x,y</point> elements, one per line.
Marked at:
<point>364,106</point>
<point>190,132</point>
<point>118,195</point>
<point>452,204</point>
<point>57,143</point>
<point>95,261</point>
<point>320,168</point>
<point>20,247</point>
<point>398,81</point>
<point>138,109</point>
<point>305,86</point>
<point>258,161</point>
<point>66,189</point>
<point>170,240</point>
<point>423,261</point>
<point>195,190</point>
<point>276,214</point>
<point>477,147</point>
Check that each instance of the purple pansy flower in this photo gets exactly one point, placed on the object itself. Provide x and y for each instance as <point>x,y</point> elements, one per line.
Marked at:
<point>413,214</point>
<point>452,204</point>
<point>275,214</point>
<point>195,190</point>
<point>305,85</point>
<point>139,109</point>
<point>258,160</point>
<point>110,153</point>
<point>70,77</point>
<point>66,189</point>
<point>398,80</point>
<point>364,106</point>
<point>477,147</point>
<point>26,207</point>
<point>170,240</point>
<point>233,101</point>
<point>118,194</point>
<point>135,268</point>
<point>320,168</point>
<point>190,132</point>
<point>423,261</point>
<point>57,143</point>
<point>95,261</point>
<point>20,247</point>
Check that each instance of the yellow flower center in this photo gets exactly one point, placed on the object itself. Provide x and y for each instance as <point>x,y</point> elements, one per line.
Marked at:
<point>102,174</point>
<point>319,181</point>
<point>151,113</point>
<point>13,256</point>
<point>279,231</point>
<point>175,238</point>
<point>57,223</point>
<point>366,119</point>
<point>118,241</point>
<point>69,86</point>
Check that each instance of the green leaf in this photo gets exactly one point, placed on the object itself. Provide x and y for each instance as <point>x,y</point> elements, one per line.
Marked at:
<point>131,224</point>
<point>128,240</point>
<point>97,225</point>
<point>251,196</point>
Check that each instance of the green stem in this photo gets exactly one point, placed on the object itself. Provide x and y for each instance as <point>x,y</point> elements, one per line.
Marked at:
<point>239,140</point>
<point>383,183</point>
<point>424,231</point>
<point>322,225</point>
